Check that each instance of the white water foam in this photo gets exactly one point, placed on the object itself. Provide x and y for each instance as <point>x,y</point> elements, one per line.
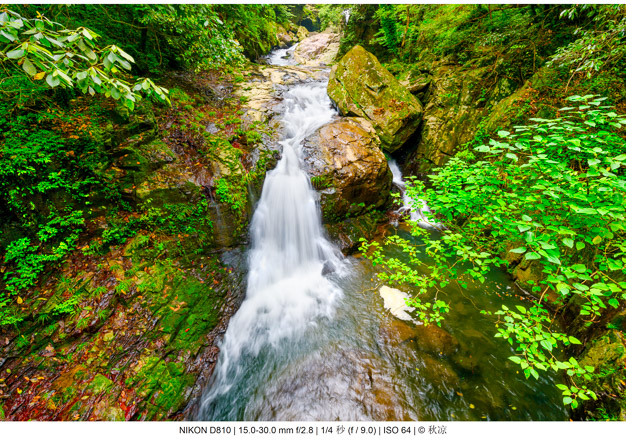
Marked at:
<point>282,57</point>
<point>346,15</point>
<point>418,210</point>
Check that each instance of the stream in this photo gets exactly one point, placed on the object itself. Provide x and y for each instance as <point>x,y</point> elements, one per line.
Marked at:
<point>312,340</point>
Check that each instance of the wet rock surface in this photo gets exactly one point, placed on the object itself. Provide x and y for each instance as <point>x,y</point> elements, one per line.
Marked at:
<point>347,234</point>
<point>362,87</point>
<point>263,86</point>
<point>435,340</point>
<point>607,355</point>
<point>318,49</point>
<point>348,168</point>
<point>453,110</point>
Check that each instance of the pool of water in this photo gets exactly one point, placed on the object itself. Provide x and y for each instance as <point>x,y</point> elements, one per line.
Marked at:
<point>364,364</point>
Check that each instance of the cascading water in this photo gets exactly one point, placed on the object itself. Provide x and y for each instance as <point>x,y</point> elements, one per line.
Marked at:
<point>282,57</point>
<point>346,15</point>
<point>287,291</point>
<point>419,214</point>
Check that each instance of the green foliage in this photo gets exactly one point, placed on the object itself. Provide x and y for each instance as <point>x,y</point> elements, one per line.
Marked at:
<point>331,16</point>
<point>388,34</point>
<point>171,219</point>
<point>530,330</point>
<point>46,182</point>
<point>254,26</point>
<point>232,193</point>
<point>552,195</point>
<point>595,48</point>
<point>413,271</point>
<point>198,36</point>
<point>194,35</point>
<point>44,50</point>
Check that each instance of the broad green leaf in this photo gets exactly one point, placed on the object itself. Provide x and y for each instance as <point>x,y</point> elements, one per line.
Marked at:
<point>547,345</point>
<point>532,255</point>
<point>125,55</point>
<point>17,53</point>
<point>8,35</point>
<point>568,242</point>
<point>553,259</point>
<point>29,68</point>
<point>518,250</point>
<point>534,373</point>
<point>52,80</point>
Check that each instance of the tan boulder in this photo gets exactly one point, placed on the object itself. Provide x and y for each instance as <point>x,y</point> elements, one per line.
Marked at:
<point>348,168</point>
<point>318,49</point>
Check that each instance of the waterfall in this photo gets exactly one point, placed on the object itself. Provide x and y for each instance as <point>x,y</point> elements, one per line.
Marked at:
<point>418,210</point>
<point>346,15</point>
<point>287,291</point>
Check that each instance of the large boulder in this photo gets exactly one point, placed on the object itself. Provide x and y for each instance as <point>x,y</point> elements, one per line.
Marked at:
<point>362,87</point>
<point>318,49</point>
<point>348,168</point>
<point>285,37</point>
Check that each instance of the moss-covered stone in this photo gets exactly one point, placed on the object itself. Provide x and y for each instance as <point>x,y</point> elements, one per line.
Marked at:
<point>347,233</point>
<point>99,384</point>
<point>607,355</point>
<point>362,87</point>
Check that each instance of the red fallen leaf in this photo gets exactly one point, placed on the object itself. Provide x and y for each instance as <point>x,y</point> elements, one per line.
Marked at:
<point>186,330</point>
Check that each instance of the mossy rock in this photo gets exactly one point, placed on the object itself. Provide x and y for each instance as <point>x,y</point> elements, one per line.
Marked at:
<point>347,233</point>
<point>607,355</point>
<point>99,384</point>
<point>302,33</point>
<point>362,87</point>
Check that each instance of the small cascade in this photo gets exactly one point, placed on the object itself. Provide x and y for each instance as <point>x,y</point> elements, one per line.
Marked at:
<point>418,210</point>
<point>282,57</point>
<point>288,291</point>
<point>346,15</point>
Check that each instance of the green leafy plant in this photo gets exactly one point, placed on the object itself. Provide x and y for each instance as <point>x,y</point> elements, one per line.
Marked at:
<point>45,50</point>
<point>551,196</point>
